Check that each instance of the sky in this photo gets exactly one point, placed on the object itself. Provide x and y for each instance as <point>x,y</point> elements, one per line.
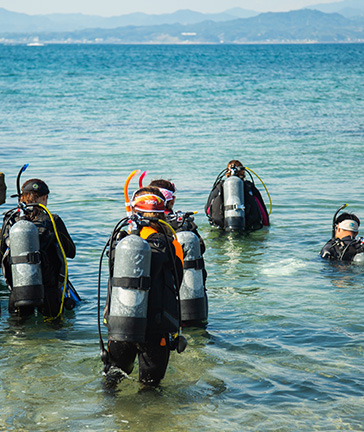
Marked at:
<point>122,7</point>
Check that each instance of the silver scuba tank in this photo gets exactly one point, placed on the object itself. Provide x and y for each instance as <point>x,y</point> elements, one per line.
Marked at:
<point>130,286</point>
<point>27,290</point>
<point>193,297</point>
<point>359,258</point>
<point>234,208</point>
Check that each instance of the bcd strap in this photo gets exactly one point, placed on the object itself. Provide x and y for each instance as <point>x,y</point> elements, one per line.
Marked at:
<point>197,264</point>
<point>234,207</point>
<point>141,283</point>
<point>29,258</point>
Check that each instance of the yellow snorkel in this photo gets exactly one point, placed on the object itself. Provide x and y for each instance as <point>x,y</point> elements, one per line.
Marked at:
<point>126,193</point>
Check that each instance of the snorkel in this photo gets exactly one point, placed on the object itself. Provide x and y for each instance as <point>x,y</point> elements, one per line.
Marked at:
<point>143,174</point>
<point>126,191</point>
<point>22,169</point>
<point>334,219</point>
<point>127,200</point>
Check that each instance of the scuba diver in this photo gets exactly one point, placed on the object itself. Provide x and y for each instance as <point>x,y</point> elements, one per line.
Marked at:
<point>234,203</point>
<point>2,188</point>
<point>194,304</point>
<point>344,246</point>
<point>142,309</point>
<point>34,246</point>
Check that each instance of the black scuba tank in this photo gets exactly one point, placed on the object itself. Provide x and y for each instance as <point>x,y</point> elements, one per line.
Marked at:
<point>130,284</point>
<point>234,208</point>
<point>28,290</point>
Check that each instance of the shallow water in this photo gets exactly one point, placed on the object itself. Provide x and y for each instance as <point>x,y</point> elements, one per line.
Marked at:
<point>284,345</point>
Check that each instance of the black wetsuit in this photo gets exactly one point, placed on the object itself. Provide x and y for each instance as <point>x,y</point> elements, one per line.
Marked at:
<point>51,259</point>
<point>343,249</point>
<point>163,317</point>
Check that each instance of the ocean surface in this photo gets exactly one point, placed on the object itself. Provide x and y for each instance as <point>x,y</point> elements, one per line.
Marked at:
<point>284,346</point>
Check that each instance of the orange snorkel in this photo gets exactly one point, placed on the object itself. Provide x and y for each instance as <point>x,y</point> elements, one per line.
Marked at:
<point>126,194</point>
<point>141,178</point>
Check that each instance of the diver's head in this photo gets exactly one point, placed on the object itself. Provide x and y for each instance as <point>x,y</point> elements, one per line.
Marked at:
<point>34,191</point>
<point>168,190</point>
<point>235,167</point>
<point>149,202</point>
<point>347,224</point>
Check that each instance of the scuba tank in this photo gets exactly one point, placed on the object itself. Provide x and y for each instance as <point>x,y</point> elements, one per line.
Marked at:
<point>28,290</point>
<point>234,208</point>
<point>130,286</point>
<point>359,258</point>
<point>192,292</point>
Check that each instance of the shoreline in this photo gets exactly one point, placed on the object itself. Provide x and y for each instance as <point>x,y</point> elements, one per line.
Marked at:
<point>93,43</point>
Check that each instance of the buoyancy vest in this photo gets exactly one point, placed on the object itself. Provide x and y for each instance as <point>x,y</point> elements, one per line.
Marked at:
<point>147,231</point>
<point>343,249</point>
<point>163,307</point>
<point>214,207</point>
<point>253,215</point>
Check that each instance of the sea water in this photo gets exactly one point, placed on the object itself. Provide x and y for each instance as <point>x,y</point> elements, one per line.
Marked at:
<point>284,345</point>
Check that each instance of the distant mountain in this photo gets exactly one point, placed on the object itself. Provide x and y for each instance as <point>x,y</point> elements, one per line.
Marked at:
<point>19,23</point>
<point>238,12</point>
<point>285,27</point>
<point>347,8</point>
<point>13,22</point>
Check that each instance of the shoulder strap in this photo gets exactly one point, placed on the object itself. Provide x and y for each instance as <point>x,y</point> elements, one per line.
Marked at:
<point>179,250</point>
<point>146,232</point>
